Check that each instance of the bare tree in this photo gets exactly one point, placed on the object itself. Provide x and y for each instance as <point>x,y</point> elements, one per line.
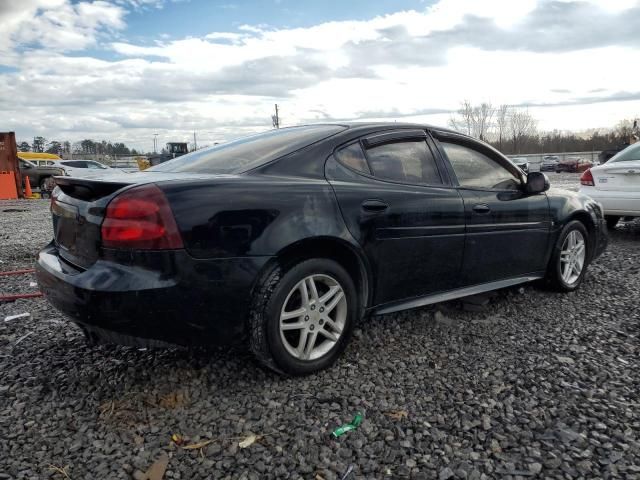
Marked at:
<point>463,119</point>
<point>474,120</point>
<point>521,125</point>
<point>502,119</point>
<point>482,115</point>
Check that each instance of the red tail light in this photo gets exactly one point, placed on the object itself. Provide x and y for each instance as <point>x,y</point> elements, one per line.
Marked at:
<point>587,178</point>
<point>141,219</point>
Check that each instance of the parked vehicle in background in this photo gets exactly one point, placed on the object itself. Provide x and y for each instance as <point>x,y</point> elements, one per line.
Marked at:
<point>85,168</point>
<point>521,163</point>
<point>605,155</point>
<point>39,159</point>
<point>286,239</point>
<point>573,164</point>
<point>171,151</point>
<point>616,185</point>
<point>549,163</point>
<point>39,176</point>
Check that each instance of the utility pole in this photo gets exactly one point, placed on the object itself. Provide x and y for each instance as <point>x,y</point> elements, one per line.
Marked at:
<point>275,119</point>
<point>195,144</point>
<point>155,146</point>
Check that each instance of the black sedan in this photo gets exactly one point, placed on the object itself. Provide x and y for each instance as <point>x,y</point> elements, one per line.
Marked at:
<point>286,239</point>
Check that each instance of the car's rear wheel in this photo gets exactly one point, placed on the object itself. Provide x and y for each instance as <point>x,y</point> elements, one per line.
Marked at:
<point>302,317</point>
<point>568,264</point>
<point>612,221</point>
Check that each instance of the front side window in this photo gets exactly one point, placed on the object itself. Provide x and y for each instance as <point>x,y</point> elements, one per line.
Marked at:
<point>406,162</point>
<point>75,164</point>
<point>476,170</point>
<point>353,157</point>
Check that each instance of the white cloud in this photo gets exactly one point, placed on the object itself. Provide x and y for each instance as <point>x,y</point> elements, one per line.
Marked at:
<point>407,65</point>
<point>54,25</point>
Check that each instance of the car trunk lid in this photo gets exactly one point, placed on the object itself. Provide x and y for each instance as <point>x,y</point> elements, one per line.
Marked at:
<point>620,176</point>
<point>78,209</point>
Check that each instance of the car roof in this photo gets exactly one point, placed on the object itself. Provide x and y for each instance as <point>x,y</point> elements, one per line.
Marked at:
<point>390,125</point>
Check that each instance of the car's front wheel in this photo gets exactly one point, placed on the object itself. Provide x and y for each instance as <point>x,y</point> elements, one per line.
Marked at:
<point>302,317</point>
<point>568,264</point>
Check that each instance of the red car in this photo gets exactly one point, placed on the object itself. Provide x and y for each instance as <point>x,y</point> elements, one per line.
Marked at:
<point>573,164</point>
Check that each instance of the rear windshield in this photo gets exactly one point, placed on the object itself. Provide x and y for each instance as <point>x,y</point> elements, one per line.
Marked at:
<point>632,152</point>
<point>249,152</point>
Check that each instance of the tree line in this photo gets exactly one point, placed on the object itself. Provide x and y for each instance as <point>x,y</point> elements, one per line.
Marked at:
<point>515,131</point>
<point>86,147</point>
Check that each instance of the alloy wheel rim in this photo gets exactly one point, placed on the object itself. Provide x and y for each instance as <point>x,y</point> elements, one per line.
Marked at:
<point>313,317</point>
<point>572,257</point>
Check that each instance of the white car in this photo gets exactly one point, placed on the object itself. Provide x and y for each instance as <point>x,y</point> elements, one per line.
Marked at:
<point>616,185</point>
<point>84,168</point>
<point>521,162</point>
<point>549,163</point>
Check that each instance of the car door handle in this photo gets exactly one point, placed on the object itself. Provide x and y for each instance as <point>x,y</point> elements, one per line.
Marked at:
<point>374,206</point>
<point>481,208</point>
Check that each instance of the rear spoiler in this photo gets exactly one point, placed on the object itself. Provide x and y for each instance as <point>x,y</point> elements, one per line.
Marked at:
<point>88,189</point>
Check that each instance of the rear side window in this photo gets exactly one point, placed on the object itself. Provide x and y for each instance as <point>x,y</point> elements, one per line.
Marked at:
<point>249,152</point>
<point>75,164</point>
<point>475,170</point>
<point>353,157</point>
<point>632,152</point>
<point>406,162</point>
<point>95,165</point>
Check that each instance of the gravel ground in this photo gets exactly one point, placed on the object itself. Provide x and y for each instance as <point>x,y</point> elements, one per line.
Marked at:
<point>534,384</point>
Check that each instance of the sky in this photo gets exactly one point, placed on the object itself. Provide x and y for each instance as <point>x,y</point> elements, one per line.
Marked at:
<point>123,70</point>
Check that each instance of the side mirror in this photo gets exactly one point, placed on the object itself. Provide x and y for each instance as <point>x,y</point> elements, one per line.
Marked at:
<point>537,182</point>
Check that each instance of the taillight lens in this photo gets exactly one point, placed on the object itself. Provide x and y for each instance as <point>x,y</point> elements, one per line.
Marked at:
<point>140,218</point>
<point>587,178</point>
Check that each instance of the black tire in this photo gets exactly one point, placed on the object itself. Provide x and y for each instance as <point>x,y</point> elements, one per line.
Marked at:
<point>264,317</point>
<point>612,221</point>
<point>554,269</point>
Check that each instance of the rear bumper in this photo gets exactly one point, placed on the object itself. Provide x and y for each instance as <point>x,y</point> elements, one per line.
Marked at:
<point>164,297</point>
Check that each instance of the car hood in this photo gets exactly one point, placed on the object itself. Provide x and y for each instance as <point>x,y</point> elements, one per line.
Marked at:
<point>571,195</point>
<point>563,192</point>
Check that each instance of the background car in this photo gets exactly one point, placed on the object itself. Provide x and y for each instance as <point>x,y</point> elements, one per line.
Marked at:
<point>616,185</point>
<point>39,176</point>
<point>84,168</point>
<point>521,163</point>
<point>573,164</point>
<point>605,155</point>
<point>549,163</point>
<point>284,240</point>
